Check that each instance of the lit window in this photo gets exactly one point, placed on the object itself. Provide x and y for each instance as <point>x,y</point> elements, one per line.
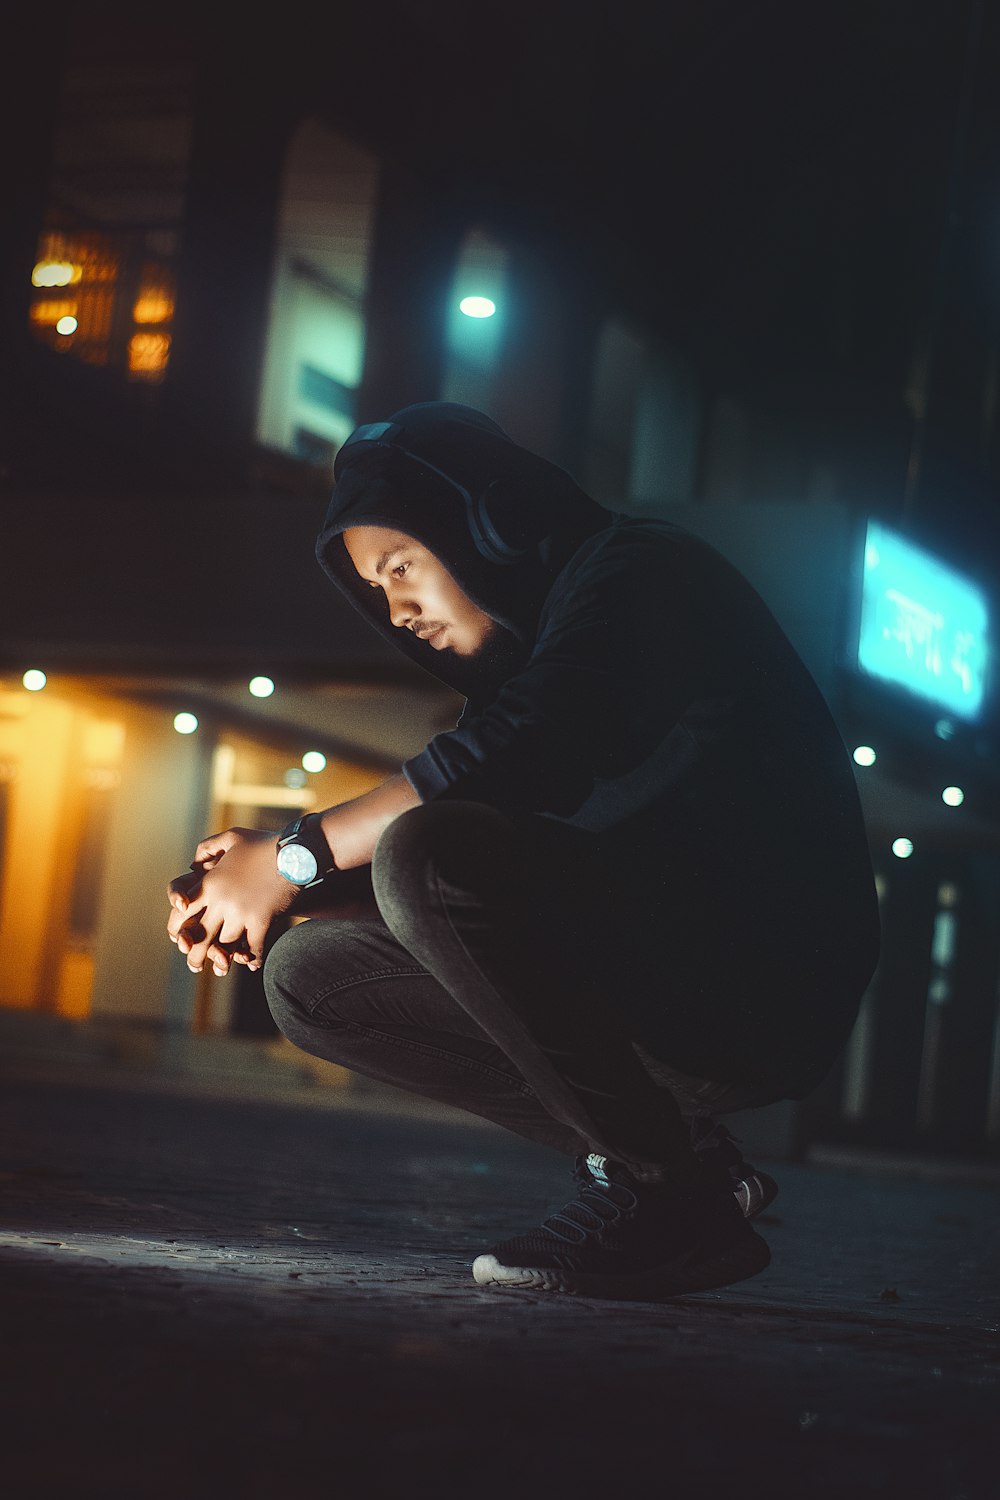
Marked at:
<point>153,305</point>
<point>121,146</point>
<point>315,347</point>
<point>50,312</point>
<point>148,354</point>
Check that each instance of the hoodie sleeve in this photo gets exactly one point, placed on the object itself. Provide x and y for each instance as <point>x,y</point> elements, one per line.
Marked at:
<point>610,675</point>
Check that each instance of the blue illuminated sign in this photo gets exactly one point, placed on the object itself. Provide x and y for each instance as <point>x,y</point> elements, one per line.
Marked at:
<point>923,626</point>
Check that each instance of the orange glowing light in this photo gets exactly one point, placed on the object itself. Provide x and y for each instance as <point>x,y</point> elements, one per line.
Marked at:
<point>148,354</point>
<point>51,312</point>
<point>154,304</point>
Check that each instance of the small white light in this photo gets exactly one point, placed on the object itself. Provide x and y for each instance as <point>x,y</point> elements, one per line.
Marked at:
<point>185,723</point>
<point>66,325</point>
<point>314,760</point>
<point>944,729</point>
<point>34,680</point>
<point>902,848</point>
<point>261,687</point>
<point>953,796</point>
<point>864,755</point>
<point>477,307</point>
<point>295,778</point>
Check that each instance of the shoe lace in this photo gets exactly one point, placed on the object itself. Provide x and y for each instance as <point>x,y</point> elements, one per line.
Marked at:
<point>591,1211</point>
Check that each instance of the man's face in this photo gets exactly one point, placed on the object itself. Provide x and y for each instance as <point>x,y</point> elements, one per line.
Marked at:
<point>423,596</point>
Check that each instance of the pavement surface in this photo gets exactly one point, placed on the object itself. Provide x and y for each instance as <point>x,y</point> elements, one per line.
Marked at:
<point>205,1296</point>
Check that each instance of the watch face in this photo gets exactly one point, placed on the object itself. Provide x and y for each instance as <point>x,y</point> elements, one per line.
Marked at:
<point>297,864</point>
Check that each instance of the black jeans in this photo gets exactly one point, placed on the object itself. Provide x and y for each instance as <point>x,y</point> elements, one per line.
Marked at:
<point>487,980</point>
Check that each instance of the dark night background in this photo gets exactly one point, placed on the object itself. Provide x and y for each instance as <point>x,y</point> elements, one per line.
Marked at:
<point>801,198</point>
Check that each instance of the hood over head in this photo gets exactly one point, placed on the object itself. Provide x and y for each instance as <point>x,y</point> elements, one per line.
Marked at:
<point>502,520</point>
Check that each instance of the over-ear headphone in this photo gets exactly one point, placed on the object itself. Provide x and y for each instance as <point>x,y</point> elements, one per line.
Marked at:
<point>499,536</point>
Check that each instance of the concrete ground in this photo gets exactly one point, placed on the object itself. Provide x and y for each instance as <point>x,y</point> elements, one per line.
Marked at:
<point>214,1297</point>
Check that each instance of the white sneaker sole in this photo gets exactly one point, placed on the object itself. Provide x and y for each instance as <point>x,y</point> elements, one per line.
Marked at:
<point>673,1279</point>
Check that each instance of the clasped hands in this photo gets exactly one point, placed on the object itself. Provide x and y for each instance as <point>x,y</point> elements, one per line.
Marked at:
<point>222,908</point>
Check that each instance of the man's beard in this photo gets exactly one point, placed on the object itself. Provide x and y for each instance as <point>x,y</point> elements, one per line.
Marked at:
<point>483,673</point>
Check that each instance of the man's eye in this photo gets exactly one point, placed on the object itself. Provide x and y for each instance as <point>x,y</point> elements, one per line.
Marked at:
<point>400,569</point>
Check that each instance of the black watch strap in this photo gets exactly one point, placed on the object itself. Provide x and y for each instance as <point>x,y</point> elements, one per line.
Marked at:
<point>307,830</point>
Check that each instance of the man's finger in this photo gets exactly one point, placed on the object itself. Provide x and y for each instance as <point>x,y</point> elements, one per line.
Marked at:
<point>220,959</point>
<point>180,919</point>
<point>199,952</point>
<point>256,937</point>
<point>189,935</point>
<point>213,848</point>
<point>231,933</point>
<point>182,888</point>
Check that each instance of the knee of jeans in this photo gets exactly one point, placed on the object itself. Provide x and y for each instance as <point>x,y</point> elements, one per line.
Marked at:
<point>284,976</point>
<point>461,841</point>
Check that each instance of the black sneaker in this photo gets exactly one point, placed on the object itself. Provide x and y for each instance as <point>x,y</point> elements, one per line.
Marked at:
<point>719,1153</point>
<point>625,1239</point>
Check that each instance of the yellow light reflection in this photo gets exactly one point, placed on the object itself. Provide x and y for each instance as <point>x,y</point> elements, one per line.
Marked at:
<point>154,304</point>
<point>148,354</point>
<point>51,311</point>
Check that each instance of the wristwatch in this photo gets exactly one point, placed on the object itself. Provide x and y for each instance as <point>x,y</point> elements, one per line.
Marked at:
<point>303,854</point>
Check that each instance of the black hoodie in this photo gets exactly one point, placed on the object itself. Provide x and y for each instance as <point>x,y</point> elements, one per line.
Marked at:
<point>642,692</point>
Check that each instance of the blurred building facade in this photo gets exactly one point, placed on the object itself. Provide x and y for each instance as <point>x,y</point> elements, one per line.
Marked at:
<point>227,251</point>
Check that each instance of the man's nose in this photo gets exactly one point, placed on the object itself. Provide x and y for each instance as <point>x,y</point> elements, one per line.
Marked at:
<point>401,612</point>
